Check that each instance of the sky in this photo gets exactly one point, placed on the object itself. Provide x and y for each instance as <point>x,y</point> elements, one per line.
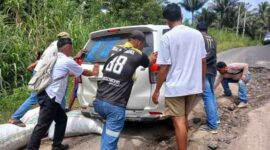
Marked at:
<point>187,15</point>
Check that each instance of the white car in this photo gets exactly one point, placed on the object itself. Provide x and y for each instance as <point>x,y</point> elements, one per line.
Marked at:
<point>266,39</point>
<point>140,106</point>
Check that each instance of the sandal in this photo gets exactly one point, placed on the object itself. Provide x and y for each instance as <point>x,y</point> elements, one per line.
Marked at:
<point>16,122</point>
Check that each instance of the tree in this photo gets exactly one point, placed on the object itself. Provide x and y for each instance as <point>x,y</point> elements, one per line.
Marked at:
<point>207,16</point>
<point>137,12</point>
<point>225,8</point>
<point>193,5</point>
<point>263,12</point>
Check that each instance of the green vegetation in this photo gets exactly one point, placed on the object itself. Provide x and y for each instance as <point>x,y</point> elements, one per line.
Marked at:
<point>226,39</point>
<point>253,22</point>
<point>193,5</point>
<point>28,26</point>
<point>9,103</point>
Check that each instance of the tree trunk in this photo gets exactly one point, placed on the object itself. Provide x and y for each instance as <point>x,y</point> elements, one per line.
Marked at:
<point>221,19</point>
<point>192,14</point>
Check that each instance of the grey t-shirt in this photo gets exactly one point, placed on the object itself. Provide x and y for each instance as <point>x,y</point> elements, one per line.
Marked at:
<point>211,57</point>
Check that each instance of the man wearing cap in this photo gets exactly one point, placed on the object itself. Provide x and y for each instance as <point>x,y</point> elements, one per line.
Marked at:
<point>209,98</point>
<point>32,99</point>
<point>115,87</point>
<point>51,98</point>
<point>182,68</point>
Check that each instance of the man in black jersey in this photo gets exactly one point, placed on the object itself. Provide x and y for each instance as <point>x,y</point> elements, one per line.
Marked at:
<point>115,87</point>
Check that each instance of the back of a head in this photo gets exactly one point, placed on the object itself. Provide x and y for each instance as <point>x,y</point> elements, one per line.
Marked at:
<point>221,64</point>
<point>136,34</point>
<point>63,41</point>
<point>201,26</point>
<point>172,12</point>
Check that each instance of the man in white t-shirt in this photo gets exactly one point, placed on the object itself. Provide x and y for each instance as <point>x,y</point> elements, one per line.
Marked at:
<point>182,68</point>
<point>51,98</point>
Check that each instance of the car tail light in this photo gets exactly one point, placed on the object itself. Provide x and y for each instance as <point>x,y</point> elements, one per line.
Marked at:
<point>153,70</point>
<point>155,113</point>
<point>113,30</point>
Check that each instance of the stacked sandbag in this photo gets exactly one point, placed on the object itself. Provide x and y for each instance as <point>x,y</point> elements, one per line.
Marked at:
<point>13,137</point>
<point>31,117</point>
<point>77,124</point>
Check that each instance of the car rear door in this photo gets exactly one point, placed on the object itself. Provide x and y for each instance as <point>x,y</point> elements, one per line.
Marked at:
<point>98,50</point>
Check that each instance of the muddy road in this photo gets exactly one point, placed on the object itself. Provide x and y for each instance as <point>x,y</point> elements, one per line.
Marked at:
<point>234,122</point>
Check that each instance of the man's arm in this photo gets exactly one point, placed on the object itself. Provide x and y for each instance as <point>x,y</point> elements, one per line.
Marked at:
<point>218,81</point>
<point>162,74</point>
<point>79,54</point>
<point>32,66</point>
<point>93,72</point>
<point>245,71</point>
<point>152,58</point>
<point>204,69</point>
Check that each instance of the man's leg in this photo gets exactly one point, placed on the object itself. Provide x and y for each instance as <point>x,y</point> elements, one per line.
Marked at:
<point>212,82</point>
<point>178,108</point>
<point>225,85</point>
<point>181,131</point>
<point>60,125</point>
<point>210,103</point>
<point>46,115</point>
<point>28,103</point>
<point>115,120</point>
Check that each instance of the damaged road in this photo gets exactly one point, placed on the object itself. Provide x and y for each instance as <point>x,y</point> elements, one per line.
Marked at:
<point>234,121</point>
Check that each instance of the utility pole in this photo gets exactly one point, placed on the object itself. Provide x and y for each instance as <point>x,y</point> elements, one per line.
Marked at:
<point>238,20</point>
<point>244,28</point>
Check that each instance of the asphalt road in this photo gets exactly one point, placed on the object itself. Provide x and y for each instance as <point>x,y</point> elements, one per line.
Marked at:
<point>255,56</point>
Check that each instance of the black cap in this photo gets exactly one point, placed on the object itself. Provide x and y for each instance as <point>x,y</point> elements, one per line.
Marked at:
<point>139,35</point>
<point>201,26</point>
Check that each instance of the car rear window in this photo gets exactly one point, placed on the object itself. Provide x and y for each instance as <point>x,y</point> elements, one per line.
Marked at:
<point>99,48</point>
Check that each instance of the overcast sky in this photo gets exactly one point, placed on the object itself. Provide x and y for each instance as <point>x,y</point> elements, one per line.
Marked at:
<point>187,15</point>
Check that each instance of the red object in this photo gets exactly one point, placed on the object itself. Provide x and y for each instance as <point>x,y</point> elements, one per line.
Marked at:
<point>154,68</point>
<point>79,61</point>
<point>155,113</point>
<point>113,30</point>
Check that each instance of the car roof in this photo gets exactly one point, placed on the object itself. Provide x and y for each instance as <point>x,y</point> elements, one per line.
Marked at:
<point>126,29</point>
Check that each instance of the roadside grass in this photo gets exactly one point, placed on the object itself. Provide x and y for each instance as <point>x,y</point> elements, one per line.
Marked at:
<point>9,103</point>
<point>227,39</point>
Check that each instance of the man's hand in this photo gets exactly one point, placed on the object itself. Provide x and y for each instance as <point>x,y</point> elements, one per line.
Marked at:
<point>153,57</point>
<point>243,77</point>
<point>155,97</point>
<point>95,70</point>
<point>79,54</point>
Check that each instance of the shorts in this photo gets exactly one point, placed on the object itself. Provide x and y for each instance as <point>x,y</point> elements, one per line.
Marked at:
<point>179,106</point>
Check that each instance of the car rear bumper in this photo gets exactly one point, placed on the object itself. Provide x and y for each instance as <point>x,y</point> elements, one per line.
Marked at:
<point>267,41</point>
<point>131,115</point>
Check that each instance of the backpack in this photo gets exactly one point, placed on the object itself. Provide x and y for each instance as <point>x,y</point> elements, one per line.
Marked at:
<point>43,77</point>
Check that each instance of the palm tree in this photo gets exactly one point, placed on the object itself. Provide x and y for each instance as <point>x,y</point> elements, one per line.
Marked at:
<point>224,8</point>
<point>264,10</point>
<point>207,16</point>
<point>192,5</point>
